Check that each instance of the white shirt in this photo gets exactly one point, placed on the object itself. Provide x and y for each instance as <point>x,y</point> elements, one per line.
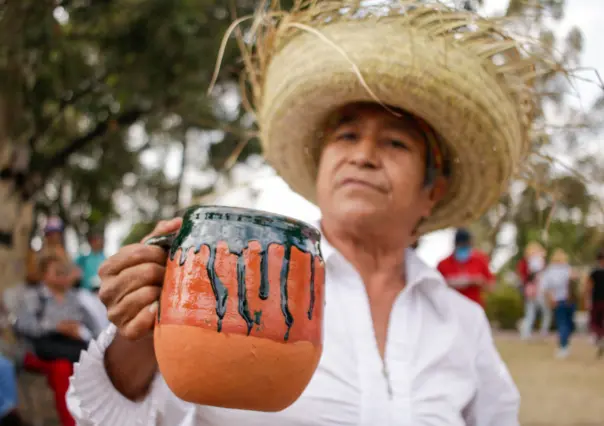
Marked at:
<point>556,279</point>
<point>442,367</point>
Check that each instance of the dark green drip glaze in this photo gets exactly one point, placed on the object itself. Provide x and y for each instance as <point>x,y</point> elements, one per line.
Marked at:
<point>311,304</point>
<point>264,284</point>
<point>242,294</point>
<point>220,291</point>
<point>257,317</point>
<point>208,225</point>
<point>289,320</point>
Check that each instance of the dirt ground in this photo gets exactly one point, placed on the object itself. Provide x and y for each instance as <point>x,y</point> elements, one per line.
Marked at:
<point>554,392</point>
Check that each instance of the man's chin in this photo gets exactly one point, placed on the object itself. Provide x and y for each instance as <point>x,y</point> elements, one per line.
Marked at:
<point>360,212</point>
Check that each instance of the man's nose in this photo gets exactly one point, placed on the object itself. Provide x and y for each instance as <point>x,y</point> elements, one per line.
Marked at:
<point>365,152</point>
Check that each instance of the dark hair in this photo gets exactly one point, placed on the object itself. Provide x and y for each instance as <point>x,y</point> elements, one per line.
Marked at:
<point>432,172</point>
<point>600,255</point>
<point>462,236</point>
<point>46,261</point>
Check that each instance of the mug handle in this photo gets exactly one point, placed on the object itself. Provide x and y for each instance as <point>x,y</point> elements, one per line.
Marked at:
<point>162,241</point>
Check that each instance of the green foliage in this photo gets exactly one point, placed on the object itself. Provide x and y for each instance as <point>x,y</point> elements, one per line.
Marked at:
<point>504,307</point>
<point>138,232</point>
<point>555,204</point>
<point>76,75</point>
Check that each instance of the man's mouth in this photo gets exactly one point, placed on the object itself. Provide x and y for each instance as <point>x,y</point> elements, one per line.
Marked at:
<point>362,184</point>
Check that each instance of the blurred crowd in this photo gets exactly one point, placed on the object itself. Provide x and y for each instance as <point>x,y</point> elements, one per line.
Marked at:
<point>550,287</point>
<point>53,315</point>
<point>50,319</point>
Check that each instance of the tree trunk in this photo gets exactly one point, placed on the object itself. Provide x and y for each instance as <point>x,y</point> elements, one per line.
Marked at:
<point>16,215</point>
<point>15,228</point>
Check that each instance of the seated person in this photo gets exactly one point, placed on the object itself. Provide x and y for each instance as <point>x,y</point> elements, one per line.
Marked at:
<point>56,326</point>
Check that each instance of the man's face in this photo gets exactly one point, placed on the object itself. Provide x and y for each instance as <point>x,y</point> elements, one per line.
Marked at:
<point>463,251</point>
<point>96,243</point>
<point>54,238</point>
<point>373,166</point>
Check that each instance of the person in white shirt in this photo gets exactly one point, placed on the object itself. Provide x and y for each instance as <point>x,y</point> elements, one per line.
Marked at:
<point>339,95</point>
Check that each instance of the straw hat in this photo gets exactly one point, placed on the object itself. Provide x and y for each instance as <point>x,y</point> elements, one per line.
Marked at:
<point>457,71</point>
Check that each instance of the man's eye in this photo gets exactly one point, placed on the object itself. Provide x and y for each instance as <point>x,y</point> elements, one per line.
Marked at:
<point>347,136</point>
<point>398,144</point>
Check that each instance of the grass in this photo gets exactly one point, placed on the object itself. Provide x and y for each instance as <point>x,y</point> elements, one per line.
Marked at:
<point>554,392</point>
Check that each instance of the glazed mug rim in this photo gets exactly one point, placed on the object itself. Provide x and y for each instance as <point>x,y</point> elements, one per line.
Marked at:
<point>311,232</point>
<point>270,217</point>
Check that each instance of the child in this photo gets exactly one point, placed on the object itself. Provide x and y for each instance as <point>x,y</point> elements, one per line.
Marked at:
<point>56,326</point>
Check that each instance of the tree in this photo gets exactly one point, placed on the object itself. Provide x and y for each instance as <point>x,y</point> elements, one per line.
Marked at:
<point>75,77</point>
<point>551,203</point>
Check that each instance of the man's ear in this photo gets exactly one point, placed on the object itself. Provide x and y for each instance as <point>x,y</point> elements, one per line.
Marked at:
<point>439,189</point>
<point>436,192</point>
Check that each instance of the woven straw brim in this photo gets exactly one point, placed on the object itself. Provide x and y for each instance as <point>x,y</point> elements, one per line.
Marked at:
<point>448,85</point>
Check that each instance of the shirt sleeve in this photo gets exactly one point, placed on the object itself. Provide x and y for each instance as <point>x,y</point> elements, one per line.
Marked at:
<point>27,322</point>
<point>522,270</point>
<point>93,401</point>
<point>90,323</point>
<point>544,280</point>
<point>497,400</point>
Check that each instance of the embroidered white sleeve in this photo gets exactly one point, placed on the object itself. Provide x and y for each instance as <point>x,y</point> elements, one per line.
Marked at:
<point>93,401</point>
<point>497,401</point>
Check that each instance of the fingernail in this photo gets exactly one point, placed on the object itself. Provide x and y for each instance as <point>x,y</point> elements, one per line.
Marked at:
<point>153,307</point>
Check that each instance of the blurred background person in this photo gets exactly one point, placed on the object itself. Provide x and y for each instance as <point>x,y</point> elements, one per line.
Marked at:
<point>57,327</point>
<point>90,263</point>
<point>467,269</point>
<point>9,414</point>
<point>52,245</point>
<point>529,269</point>
<point>531,263</point>
<point>594,302</point>
<point>556,285</point>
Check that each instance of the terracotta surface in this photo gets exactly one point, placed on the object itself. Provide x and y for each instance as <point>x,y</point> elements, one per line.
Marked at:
<point>241,309</point>
<point>234,370</point>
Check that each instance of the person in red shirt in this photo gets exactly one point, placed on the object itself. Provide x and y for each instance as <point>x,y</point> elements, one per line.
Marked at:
<point>467,270</point>
<point>528,267</point>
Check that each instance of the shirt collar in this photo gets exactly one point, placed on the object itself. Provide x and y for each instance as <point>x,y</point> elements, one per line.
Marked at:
<point>45,291</point>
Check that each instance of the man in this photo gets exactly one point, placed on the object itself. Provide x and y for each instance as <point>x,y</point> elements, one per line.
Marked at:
<point>594,301</point>
<point>339,94</point>
<point>467,270</point>
<point>91,262</point>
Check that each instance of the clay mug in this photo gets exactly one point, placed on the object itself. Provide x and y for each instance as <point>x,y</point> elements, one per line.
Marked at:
<point>240,315</point>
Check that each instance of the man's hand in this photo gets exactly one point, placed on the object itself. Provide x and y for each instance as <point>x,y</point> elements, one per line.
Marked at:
<point>131,284</point>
